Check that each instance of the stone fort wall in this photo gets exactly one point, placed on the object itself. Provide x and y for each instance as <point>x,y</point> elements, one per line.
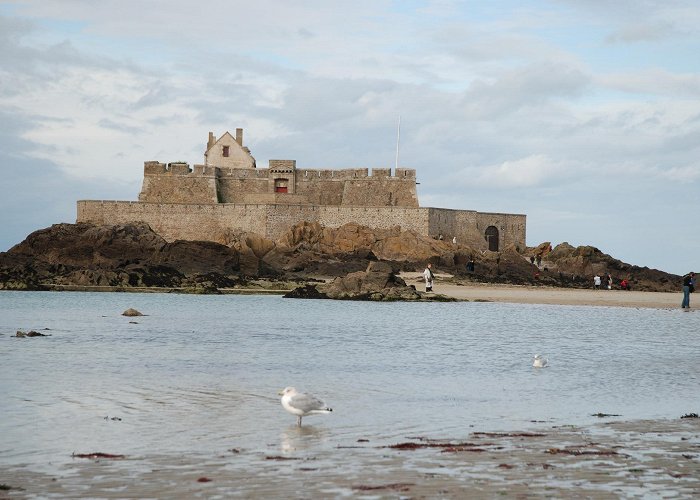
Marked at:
<point>212,221</point>
<point>282,182</point>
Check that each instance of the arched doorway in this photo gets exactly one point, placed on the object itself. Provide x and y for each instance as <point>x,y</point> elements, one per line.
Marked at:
<point>491,235</point>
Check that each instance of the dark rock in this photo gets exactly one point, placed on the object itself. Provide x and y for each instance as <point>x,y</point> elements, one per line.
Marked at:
<point>128,255</point>
<point>131,312</point>
<point>30,333</point>
<point>306,292</point>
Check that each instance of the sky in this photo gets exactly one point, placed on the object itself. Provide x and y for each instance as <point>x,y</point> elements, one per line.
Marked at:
<point>582,114</point>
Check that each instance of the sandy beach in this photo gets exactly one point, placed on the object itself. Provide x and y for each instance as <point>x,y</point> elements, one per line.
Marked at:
<point>490,292</point>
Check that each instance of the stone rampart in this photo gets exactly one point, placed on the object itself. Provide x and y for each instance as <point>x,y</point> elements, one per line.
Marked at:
<point>213,222</point>
<point>178,183</point>
<point>179,221</point>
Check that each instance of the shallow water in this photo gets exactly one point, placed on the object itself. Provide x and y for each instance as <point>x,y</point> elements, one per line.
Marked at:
<point>200,374</point>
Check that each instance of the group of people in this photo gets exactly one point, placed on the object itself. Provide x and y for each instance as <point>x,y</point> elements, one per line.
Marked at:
<point>688,286</point>
<point>597,282</point>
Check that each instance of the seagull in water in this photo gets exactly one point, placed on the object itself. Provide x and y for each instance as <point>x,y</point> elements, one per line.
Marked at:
<point>539,361</point>
<point>302,403</point>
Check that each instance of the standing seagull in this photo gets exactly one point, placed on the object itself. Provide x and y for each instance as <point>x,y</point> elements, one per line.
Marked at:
<point>302,404</point>
<point>539,361</point>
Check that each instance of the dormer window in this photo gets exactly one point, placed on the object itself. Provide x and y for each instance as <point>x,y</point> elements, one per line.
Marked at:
<point>226,149</point>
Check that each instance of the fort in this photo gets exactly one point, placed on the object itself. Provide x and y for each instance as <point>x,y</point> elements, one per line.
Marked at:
<point>228,194</point>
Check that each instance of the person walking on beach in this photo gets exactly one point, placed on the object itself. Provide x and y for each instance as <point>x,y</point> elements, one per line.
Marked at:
<point>596,282</point>
<point>429,277</point>
<point>688,282</point>
<point>609,282</point>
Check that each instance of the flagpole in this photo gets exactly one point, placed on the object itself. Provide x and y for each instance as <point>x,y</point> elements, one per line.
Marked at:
<point>398,140</point>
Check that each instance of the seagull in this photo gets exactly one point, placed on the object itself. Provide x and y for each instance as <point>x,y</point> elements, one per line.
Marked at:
<point>302,403</point>
<point>539,361</point>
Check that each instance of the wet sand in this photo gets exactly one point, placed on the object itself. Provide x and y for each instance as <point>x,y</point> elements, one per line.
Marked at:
<point>613,459</point>
<point>547,295</point>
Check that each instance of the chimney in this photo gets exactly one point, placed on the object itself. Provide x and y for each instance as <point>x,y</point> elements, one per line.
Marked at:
<point>239,136</point>
<point>211,140</point>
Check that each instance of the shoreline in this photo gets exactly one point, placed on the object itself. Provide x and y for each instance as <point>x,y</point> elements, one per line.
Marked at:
<point>515,294</point>
<point>527,294</point>
<point>444,285</point>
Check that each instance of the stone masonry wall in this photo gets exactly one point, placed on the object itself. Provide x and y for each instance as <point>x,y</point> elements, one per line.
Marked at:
<point>214,221</point>
<point>177,183</point>
<point>470,226</point>
<point>415,219</point>
<point>174,221</point>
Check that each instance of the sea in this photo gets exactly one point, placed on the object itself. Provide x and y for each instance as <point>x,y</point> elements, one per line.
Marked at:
<point>200,374</point>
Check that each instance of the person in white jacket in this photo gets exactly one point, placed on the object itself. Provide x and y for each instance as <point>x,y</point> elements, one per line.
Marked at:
<point>429,277</point>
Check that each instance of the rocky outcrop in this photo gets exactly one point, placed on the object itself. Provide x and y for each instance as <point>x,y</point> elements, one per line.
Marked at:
<point>578,265</point>
<point>132,255</point>
<point>312,248</point>
<point>129,255</point>
<point>378,283</point>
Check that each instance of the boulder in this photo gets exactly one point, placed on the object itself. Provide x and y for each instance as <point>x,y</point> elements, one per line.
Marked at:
<point>132,312</point>
<point>306,292</point>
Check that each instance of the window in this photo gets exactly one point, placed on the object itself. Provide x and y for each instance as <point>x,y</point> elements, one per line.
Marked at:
<point>226,151</point>
<point>281,185</point>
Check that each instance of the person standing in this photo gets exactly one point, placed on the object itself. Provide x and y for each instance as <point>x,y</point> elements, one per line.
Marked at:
<point>688,282</point>
<point>596,282</point>
<point>429,277</point>
<point>609,282</point>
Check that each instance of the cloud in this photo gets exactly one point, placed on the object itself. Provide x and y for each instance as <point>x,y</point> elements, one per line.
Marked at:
<point>37,193</point>
<point>653,81</point>
<point>643,32</point>
<point>523,172</point>
<point>529,86</point>
<point>688,173</point>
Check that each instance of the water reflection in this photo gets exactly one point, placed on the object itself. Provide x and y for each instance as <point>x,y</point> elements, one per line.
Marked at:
<point>306,437</point>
